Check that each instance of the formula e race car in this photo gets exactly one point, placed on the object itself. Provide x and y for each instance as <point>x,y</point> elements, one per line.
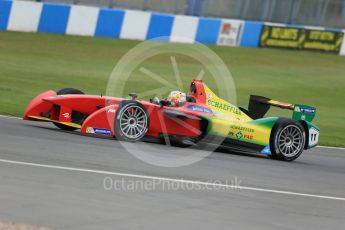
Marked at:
<point>203,115</point>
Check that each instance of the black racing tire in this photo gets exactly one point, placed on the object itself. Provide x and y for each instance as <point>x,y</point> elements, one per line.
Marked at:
<point>131,122</point>
<point>287,140</point>
<point>65,91</point>
<point>77,117</point>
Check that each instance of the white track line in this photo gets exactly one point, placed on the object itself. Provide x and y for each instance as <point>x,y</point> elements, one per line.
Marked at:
<point>330,147</point>
<point>320,146</point>
<point>172,180</point>
<point>5,116</point>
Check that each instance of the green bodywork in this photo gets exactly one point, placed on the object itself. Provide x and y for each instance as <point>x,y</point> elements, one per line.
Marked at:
<point>258,131</point>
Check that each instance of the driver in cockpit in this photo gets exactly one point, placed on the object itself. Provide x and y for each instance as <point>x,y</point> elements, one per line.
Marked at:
<point>175,99</point>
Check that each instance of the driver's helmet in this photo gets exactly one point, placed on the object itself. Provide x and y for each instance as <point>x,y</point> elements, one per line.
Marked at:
<point>177,98</point>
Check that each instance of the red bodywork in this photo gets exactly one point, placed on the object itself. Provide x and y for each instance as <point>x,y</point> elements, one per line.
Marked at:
<point>100,112</point>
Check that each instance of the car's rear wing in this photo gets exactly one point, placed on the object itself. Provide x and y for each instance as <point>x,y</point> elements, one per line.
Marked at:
<point>258,107</point>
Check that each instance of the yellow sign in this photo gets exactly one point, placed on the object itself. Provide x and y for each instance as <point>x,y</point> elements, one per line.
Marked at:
<point>300,38</point>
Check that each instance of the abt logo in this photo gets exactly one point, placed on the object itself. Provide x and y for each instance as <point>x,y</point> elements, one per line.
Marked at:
<point>66,115</point>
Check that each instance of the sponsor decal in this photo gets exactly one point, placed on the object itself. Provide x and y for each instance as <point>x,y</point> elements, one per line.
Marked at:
<point>266,150</point>
<point>65,115</point>
<point>111,110</point>
<point>224,107</point>
<point>239,135</point>
<point>240,128</point>
<point>89,130</point>
<point>307,110</point>
<point>313,137</point>
<point>102,131</point>
<point>247,136</point>
<point>301,38</point>
<point>201,109</point>
<point>98,131</point>
<point>230,32</point>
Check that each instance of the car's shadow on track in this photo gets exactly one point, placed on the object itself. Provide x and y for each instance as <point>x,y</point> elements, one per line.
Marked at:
<point>219,150</point>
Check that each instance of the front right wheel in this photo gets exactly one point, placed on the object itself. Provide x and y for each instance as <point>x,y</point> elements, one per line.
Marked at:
<point>287,140</point>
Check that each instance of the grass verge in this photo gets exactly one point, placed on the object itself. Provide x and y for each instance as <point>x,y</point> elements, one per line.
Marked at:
<point>31,63</point>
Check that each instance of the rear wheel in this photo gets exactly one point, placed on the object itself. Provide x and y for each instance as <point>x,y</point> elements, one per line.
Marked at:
<point>69,91</point>
<point>131,121</point>
<point>287,140</point>
<point>77,117</point>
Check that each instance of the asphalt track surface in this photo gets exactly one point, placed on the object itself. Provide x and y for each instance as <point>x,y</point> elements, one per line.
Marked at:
<point>56,179</point>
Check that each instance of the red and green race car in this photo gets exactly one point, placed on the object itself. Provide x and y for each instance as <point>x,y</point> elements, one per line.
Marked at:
<point>204,116</point>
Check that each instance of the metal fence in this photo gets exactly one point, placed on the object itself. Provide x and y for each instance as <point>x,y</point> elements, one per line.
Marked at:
<point>328,13</point>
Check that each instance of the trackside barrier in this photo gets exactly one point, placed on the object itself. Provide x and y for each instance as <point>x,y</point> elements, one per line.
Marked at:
<point>251,34</point>
<point>54,18</point>
<point>109,23</point>
<point>135,25</point>
<point>184,29</point>
<point>208,30</point>
<point>5,9</point>
<point>24,16</point>
<point>342,51</point>
<point>230,32</point>
<point>81,20</point>
<point>160,26</point>
<point>301,37</point>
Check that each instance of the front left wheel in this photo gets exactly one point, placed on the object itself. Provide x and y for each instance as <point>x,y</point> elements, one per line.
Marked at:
<point>131,121</point>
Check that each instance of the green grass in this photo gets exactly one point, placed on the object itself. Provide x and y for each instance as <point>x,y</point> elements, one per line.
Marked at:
<point>32,63</point>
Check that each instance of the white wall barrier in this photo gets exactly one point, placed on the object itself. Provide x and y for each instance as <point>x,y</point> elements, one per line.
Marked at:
<point>24,16</point>
<point>135,25</point>
<point>184,29</point>
<point>82,20</point>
